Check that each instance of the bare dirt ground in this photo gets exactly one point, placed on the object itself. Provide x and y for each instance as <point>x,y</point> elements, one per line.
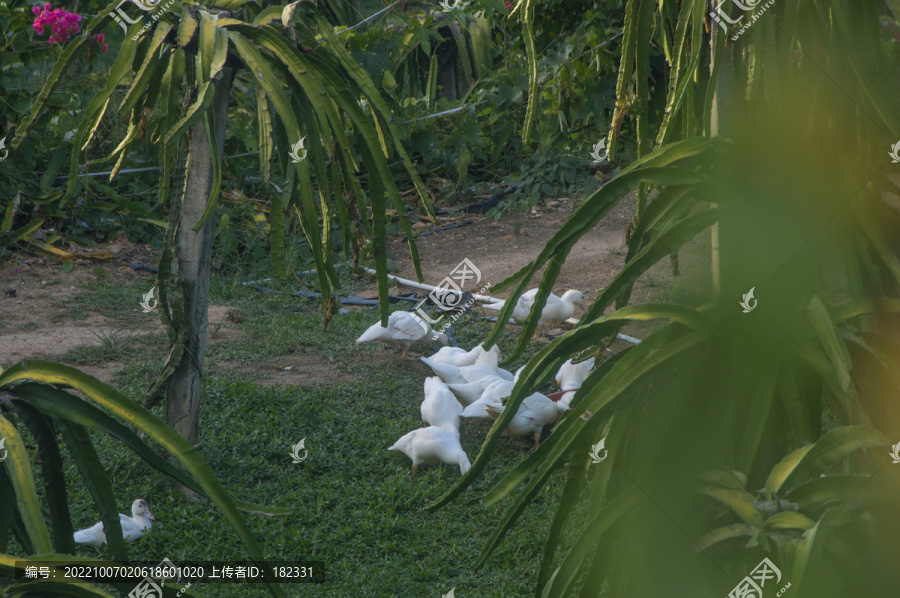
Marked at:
<point>38,320</point>
<point>33,296</point>
<point>498,252</point>
<point>290,370</point>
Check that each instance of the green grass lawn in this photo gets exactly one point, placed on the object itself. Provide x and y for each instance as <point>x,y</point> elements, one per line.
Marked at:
<point>354,504</point>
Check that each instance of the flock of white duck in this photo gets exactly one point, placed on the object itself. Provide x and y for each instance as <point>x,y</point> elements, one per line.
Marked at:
<point>466,384</point>
<point>471,385</point>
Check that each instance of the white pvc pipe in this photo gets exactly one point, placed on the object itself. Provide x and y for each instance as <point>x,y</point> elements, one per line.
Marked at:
<point>630,339</point>
<point>427,287</point>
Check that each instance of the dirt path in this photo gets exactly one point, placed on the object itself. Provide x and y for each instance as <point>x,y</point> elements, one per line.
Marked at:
<point>496,249</point>
<point>39,319</point>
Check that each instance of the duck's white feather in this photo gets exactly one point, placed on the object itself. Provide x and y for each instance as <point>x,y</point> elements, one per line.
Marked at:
<point>440,407</point>
<point>535,412</point>
<point>451,374</point>
<point>94,535</point>
<point>566,399</point>
<point>404,329</point>
<point>446,372</point>
<point>133,527</point>
<point>460,357</point>
<point>475,373</point>
<point>523,305</point>
<point>467,393</point>
<point>432,445</point>
<point>489,359</point>
<point>571,375</point>
<point>556,309</point>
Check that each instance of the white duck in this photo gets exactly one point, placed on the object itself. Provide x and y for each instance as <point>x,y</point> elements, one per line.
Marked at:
<point>492,396</point>
<point>571,375</point>
<point>460,357</point>
<point>479,409</point>
<point>133,527</point>
<point>535,412</point>
<point>490,388</point>
<point>557,309</point>
<point>433,446</point>
<point>94,535</point>
<point>523,305</point>
<point>404,329</point>
<point>470,392</point>
<point>440,407</point>
<point>489,359</point>
<point>467,373</point>
<point>474,373</point>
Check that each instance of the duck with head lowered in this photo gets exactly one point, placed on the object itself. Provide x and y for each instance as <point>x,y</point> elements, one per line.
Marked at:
<point>133,527</point>
<point>460,357</point>
<point>404,329</point>
<point>433,446</point>
<point>535,412</point>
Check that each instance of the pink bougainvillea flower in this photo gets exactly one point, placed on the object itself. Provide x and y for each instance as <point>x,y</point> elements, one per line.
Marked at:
<point>63,24</point>
<point>508,4</point>
<point>99,39</point>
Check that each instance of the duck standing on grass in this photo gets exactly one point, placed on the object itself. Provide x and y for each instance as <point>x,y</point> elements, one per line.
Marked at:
<point>557,309</point>
<point>404,329</point>
<point>433,446</point>
<point>133,527</point>
<point>535,412</point>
